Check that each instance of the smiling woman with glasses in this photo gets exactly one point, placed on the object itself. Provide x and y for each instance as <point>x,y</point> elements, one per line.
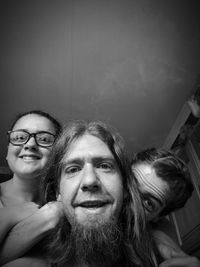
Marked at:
<point>21,137</point>
<point>31,139</point>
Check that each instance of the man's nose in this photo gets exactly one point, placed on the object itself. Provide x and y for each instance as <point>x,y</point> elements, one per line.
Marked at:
<point>90,181</point>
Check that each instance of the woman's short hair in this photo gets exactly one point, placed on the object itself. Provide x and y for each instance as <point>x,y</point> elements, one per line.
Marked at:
<point>55,122</point>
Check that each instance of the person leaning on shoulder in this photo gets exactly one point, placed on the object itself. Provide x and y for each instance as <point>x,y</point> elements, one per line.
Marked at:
<point>165,185</point>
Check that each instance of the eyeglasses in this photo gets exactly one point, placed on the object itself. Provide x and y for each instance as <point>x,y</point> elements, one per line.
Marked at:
<point>21,137</point>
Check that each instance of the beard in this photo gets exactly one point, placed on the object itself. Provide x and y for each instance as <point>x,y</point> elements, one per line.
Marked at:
<point>98,244</point>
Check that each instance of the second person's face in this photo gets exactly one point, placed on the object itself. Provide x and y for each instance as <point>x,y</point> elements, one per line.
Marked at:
<point>28,160</point>
<point>91,187</point>
<point>153,189</point>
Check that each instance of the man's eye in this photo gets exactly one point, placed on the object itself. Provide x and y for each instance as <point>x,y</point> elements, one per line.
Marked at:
<point>72,170</point>
<point>105,166</point>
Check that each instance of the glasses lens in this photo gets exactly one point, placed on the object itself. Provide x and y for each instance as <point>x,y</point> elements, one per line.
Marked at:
<point>18,137</point>
<point>45,139</point>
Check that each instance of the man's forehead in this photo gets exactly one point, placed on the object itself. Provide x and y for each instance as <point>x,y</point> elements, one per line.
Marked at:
<point>149,182</point>
<point>88,146</point>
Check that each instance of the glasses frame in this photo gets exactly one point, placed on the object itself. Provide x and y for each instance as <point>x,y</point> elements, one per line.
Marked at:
<point>29,137</point>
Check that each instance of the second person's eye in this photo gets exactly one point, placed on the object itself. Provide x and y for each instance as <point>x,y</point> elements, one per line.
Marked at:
<point>149,205</point>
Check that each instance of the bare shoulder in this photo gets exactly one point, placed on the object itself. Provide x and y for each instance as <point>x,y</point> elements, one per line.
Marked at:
<point>166,243</point>
<point>166,226</point>
<point>4,186</point>
<point>4,191</point>
<point>27,261</point>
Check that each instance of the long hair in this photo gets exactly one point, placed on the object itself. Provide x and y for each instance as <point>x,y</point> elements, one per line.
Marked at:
<point>137,244</point>
<point>171,169</point>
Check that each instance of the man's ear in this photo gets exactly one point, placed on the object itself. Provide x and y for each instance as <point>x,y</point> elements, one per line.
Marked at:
<point>59,197</point>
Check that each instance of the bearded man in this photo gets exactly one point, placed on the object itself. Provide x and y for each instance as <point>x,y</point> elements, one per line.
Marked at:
<point>103,223</point>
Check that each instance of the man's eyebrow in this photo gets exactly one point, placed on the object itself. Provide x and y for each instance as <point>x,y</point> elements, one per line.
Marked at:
<point>103,158</point>
<point>95,159</point>
<point>77,161</point>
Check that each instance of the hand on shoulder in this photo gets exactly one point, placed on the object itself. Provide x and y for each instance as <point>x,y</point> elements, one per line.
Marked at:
<point>52,211</point>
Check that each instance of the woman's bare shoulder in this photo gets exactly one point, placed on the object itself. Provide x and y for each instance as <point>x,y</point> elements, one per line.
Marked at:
<point>3,191</point>
<point>27,261</point>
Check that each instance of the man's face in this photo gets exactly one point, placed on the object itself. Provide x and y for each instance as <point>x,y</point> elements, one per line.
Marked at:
<point>152,188</point>
<point>91,188</point>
